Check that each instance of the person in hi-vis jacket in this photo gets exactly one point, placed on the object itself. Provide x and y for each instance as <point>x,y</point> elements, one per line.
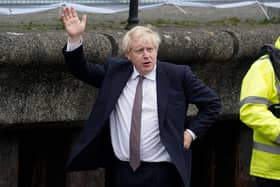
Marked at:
<point>259,105</point>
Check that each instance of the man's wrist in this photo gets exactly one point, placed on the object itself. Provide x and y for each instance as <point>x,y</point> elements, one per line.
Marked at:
<point>75,40</point>
<point>72,46</point>
<point>191,133</point>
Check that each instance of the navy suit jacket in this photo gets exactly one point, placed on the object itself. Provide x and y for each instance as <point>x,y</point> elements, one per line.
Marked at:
<point>177,87</point>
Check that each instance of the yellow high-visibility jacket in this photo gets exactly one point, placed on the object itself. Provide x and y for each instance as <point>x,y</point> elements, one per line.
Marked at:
<point>261,88</point>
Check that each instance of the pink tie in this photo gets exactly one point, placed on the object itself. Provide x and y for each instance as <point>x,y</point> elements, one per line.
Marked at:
<point>134,141</point>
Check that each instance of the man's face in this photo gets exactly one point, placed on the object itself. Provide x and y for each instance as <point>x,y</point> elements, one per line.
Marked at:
<point>143,56</point>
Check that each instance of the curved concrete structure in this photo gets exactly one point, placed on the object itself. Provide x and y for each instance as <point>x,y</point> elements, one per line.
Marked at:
<point>36,86</point>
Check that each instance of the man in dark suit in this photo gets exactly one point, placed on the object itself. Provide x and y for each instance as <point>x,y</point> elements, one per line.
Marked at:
<point>137,128</point>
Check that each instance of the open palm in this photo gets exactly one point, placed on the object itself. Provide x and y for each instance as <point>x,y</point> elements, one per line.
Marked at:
<point>72,24</point>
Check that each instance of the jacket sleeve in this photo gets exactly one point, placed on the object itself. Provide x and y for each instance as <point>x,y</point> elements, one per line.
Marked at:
<point>206,101</point>
<point>258,91</point>
<point>77,64</point>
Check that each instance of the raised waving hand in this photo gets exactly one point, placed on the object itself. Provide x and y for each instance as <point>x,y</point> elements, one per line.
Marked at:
<point>72,24</point>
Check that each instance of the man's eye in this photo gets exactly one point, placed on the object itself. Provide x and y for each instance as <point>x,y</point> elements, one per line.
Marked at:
<point>139,50</point>
<point>150,50</point>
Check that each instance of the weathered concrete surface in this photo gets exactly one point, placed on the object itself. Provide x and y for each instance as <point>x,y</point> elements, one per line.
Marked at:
<point>179,45</point>
<point>45,48</point>
<point>36,86</point>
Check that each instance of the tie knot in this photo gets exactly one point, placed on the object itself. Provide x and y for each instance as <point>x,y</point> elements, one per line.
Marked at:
<point>141,77</point>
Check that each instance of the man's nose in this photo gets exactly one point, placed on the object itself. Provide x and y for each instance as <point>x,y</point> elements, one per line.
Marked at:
<point>145,53</point>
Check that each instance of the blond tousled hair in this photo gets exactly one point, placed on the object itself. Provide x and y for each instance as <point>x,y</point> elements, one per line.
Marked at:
<point>139,33</point>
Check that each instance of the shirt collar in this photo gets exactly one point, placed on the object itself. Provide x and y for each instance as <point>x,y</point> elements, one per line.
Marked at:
<point>150,76</point>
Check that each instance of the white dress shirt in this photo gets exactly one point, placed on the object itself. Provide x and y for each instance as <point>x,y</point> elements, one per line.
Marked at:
<point>151,147</point>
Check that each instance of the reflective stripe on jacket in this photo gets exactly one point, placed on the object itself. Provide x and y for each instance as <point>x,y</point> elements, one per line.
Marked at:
<point>261,88</point>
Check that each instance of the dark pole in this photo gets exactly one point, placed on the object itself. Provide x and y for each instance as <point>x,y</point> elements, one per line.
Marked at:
<point>133,14</point>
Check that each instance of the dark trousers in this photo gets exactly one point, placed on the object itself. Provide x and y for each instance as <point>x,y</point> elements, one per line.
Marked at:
<point>262,182</point>
<point>159,174</point>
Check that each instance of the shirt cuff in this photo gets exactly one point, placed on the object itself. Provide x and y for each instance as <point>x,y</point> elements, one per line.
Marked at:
<point>72,46</point>
<point>192,133</point>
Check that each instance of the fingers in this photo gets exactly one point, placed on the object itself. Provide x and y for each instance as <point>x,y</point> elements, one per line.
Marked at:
<point>84,21</point>
<point>187,140</point>
<point>63,17</point>
<point>187,145</point>
<point>73,12</point>
<point>68,13</point>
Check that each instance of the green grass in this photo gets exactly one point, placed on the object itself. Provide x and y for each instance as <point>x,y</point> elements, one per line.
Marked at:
<point>222,22</point>
<point>57,24</point>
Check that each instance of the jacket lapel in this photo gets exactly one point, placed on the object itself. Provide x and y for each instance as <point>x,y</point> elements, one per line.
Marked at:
<point>118,82</point>
<point>163,83</point>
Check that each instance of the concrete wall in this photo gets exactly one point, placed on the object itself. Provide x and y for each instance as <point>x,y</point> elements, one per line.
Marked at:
<point>38,94</point>
<point>36,86</point>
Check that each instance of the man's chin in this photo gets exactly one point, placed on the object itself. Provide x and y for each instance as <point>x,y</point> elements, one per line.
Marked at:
<point>147,70</point>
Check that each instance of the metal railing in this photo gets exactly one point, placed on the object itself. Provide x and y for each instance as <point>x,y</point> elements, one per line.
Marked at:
<point>22,2</point>
<point>133,4</point>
